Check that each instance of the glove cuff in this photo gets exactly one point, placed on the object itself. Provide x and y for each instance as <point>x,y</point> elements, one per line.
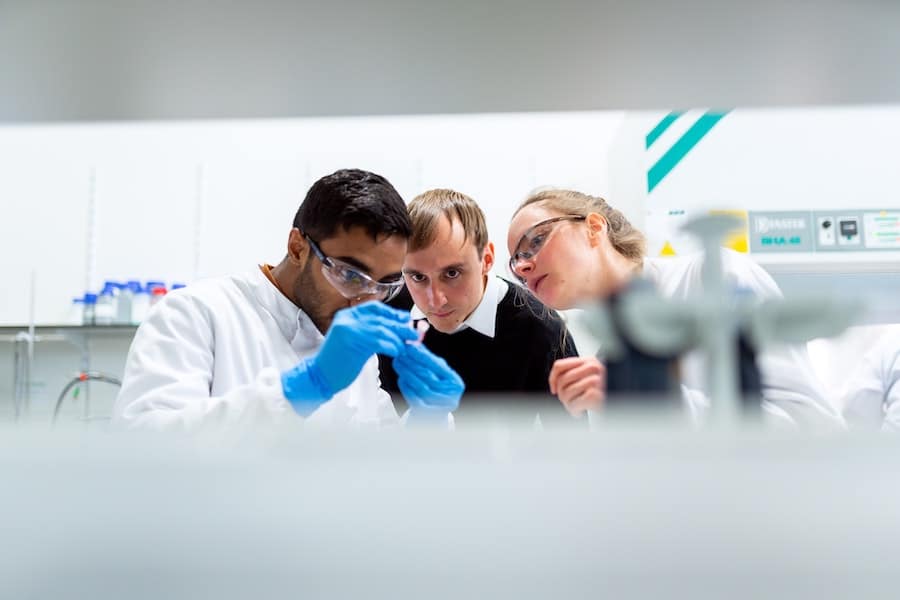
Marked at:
<point>305,388</point>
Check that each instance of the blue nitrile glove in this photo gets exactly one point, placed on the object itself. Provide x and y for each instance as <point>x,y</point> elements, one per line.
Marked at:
<point>355,335</point>
<point>429,385</point>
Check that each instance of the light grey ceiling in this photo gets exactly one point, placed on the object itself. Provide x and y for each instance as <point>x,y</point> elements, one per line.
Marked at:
<point>112,60</point>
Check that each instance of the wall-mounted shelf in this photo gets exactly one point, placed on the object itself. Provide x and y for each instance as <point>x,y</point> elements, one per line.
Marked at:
<point>63,333</point>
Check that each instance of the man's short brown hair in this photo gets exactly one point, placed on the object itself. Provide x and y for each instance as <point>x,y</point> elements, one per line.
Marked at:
<point>428,208</point>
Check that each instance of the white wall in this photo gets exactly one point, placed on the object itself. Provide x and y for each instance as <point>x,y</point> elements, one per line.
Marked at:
<point>179,201</point>
<point>182,200</point>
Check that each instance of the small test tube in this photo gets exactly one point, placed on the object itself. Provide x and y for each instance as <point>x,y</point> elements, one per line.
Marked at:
<point>422,327</point>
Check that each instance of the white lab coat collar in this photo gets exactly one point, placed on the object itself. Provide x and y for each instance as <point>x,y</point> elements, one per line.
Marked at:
<point>292,321</point>
<point>484,318</point>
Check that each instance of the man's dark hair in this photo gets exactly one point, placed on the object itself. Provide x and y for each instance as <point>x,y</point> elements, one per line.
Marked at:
<point>353,198</point>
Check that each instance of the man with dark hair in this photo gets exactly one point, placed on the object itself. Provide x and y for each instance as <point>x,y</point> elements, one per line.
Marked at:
<point>297,340</point>
<point>495,334</point>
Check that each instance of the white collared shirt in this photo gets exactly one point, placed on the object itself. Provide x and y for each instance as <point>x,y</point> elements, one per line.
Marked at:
<point>484,318</point>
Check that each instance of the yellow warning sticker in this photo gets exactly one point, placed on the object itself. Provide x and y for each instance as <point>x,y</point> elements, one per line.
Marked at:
<point>739,241</point>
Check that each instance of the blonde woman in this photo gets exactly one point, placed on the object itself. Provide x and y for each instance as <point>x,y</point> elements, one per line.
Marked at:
<point>570,248</point>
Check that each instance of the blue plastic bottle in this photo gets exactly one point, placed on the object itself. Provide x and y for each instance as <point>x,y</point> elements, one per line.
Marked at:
<point>90,309</point>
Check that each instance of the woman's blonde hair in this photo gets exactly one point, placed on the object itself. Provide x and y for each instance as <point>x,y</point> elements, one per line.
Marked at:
<point>625,239</point>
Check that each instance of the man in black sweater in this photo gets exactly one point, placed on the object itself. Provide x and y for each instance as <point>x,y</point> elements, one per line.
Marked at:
<point>499,338</point>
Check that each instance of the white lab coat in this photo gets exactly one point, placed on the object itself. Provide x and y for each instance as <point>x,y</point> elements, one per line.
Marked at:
<point>872,400</point>
<point>790,386</point>
<point>212,354</point>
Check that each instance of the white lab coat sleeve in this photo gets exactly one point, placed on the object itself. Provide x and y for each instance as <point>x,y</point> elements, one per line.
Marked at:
<point>872,398</point>
<point>361,406</point>
<point>788,378</point>
<point>380,411</point>
<point>889,355</point>
<point>864,401</point>
<point>790,384</point>
<point>697,405</point>
<point>169,372</point>
<point>387,414</point>
<point>892,394</point>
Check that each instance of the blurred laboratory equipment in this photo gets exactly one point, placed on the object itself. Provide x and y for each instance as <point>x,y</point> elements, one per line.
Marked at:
<point>713,319</point>
<point>477,514</point>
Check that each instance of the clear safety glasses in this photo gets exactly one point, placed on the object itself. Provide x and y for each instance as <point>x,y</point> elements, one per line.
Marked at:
<point>350,281</point>
<point>534,239</point>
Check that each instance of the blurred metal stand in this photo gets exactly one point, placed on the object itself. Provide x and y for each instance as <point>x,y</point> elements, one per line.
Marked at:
<point>23,357</point>
<point>712,320</point>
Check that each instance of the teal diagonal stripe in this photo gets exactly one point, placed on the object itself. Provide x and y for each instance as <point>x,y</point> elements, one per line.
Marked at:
<point>679,149</point>
<point>662,126</point>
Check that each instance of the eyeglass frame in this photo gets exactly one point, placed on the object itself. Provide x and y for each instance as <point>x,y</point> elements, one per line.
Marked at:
<point>518,256</point>
<point>328,263</point>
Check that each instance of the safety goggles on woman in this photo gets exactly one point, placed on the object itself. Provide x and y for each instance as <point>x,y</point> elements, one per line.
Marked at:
<point>350,281</point>
<point>534,239</point>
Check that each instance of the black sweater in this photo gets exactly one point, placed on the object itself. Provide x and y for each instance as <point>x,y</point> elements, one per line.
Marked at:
<point>528,338</point>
